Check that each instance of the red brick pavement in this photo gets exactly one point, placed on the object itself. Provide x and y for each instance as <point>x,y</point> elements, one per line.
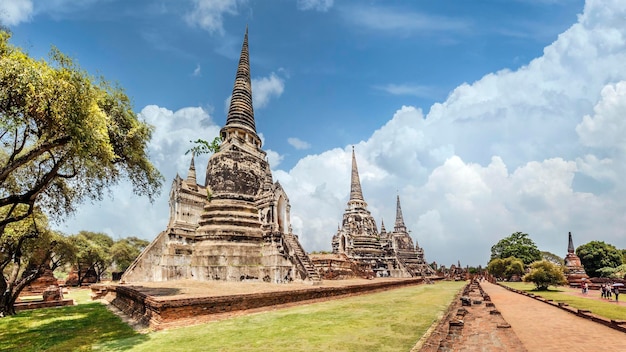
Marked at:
<point>545,328</point>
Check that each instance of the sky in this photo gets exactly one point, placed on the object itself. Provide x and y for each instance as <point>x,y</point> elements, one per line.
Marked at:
<point>486,117</point>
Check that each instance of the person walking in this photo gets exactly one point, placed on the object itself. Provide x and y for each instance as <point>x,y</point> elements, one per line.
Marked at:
<point>616,288</point>
<point>603,289</point>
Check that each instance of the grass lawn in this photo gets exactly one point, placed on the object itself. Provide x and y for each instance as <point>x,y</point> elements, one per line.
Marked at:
<point>79,295</point>
<point>393,320</point>
<point>603,308</point>
<point>70,328</point>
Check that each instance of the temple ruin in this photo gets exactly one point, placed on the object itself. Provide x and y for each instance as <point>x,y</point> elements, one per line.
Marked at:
<point>359,248</point>
<point>574,270</point>
<point>236,225</point>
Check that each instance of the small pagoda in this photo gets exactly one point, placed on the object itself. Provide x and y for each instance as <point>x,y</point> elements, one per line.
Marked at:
<point>574,270</point>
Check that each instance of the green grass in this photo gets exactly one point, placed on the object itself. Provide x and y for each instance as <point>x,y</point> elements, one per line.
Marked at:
<point>393,320</point>
<point>79,295</point>
<point>603,308</point>
<point>71,328</point>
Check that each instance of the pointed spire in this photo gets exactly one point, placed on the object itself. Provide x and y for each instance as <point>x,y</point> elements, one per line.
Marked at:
<point>399,225</point>
<point>240,112</point>
<point>382,226</point>
<point>191,174</point>
<point>570,245</point>
<point>355,182</point>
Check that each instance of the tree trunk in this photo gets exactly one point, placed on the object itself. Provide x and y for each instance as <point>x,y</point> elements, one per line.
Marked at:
<point>7,304</point>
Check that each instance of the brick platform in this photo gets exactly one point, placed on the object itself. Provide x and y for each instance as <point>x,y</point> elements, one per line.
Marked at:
<point>164,306</point>
<point>41,304</point>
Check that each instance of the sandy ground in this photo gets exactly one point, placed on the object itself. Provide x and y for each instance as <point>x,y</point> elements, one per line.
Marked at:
<point>190,288</point>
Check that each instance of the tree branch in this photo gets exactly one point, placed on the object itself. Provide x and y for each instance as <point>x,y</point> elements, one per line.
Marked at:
<point>31,155</point>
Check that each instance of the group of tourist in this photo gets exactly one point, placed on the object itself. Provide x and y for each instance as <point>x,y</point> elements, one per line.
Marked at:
<point>608,290</point>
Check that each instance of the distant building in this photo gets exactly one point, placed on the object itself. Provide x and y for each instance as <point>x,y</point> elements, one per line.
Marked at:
<point>371,253</point>
<point>574,270</point>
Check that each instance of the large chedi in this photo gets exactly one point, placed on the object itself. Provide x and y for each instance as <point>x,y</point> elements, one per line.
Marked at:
<point>237,225</point>
<point>376,253</point>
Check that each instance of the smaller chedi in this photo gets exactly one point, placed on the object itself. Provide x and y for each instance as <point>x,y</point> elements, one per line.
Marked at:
<point>574,270</point>
<point>360,250</point>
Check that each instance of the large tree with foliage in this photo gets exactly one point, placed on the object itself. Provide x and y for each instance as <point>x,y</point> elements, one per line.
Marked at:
<point>92,254</point>
<point>517,245</point>
<point>126,250</point>
<point>596,255</point>
<point>506,268</point>
<point>64,137</point>
<point>27,248</point>
<point>544,274</point>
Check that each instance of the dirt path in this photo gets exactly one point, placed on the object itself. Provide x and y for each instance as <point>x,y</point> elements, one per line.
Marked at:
<point>544,328</point>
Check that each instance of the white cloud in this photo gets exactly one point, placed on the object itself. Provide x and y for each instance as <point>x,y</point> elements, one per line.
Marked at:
<point>317,5</point>
<point>174,131</point>
<point>274,158</point>
<point>266,88</point>
<point>13,12</point>
<point>607,128</point>
<point>298,143</point>
<point>407,89</point>
<point>209,14</point>
<point>197,72</point>
<point>532,150</point>
<point>263,90</point>
<point>398,20</point>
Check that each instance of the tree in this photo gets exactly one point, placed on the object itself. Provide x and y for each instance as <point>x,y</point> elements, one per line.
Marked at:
<point>596,255</point>
<point>614,273</point>
<point>517,245</point>
<point>552,258</point>
<point>202,146</point>
<point>65,137</point>
<point>126,250</point>
<point>506,268</point>
<point>27,248</point>
<point>544,274</point>
<point>92,254</point>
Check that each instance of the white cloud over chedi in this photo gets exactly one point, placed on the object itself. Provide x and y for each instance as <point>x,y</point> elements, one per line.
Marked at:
<point>317,5</point>
<point>529,150</point>
<point>264,89</point>
<point>209,14</point>
<point>298,143</point>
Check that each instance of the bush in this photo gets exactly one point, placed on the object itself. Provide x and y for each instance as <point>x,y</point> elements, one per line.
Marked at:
<point>544,274</point>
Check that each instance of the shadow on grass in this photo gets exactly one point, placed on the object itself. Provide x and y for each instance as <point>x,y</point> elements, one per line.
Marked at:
<point>64,329</point>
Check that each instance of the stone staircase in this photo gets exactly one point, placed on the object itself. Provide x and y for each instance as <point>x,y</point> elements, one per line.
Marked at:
<point>413,265</point>
<point>304,262</point>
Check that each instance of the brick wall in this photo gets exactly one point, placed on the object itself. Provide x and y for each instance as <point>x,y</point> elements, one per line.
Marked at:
<point>154,311</point>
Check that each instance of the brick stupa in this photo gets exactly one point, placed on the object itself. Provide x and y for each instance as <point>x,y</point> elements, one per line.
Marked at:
<point>574,270</point>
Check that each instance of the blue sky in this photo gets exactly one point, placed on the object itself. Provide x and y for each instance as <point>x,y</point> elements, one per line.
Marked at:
<point>486,117</point>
